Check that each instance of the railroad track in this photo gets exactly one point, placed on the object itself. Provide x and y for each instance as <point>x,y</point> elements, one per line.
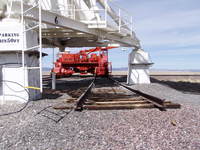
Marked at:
<point>115,97</point>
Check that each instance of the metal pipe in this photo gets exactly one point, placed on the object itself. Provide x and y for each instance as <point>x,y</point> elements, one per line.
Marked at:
<point>53,74</point>
<point>53,81</point>
<point>40,44</point>
<point>120,21</point>
<point>23,38</point>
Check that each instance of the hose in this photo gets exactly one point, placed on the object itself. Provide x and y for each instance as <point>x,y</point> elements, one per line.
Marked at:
<point>25,88</point>
<point>26,104</point>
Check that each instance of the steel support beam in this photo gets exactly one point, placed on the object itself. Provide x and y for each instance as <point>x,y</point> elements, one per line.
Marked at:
<point>67,23</point>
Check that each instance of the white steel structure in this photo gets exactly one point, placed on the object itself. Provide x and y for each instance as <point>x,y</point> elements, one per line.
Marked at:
<point>37,26</point>
<point>66,23</point>
<point>138,67</point>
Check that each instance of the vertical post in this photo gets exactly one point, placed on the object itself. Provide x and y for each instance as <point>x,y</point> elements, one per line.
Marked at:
<point>119,20</point>
<point>74,12</point>
<point>53,75</point>
<point>23,36</point>
<point>131,25</point>
<point>53,58</point>
<point>3,99</point>
<point>53,80</point>
<point>10,9</point>
<point>22,24</point>
<point>106,11</point>
<point>129,69</point>
<point>40,45</point>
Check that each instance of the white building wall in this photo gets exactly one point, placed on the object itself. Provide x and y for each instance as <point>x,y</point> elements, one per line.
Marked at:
<point>14,78</point>
<point>13,84</point>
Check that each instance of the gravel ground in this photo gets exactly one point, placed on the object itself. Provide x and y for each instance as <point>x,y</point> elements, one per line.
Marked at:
<point>142,129</point>
<point>168,93</point>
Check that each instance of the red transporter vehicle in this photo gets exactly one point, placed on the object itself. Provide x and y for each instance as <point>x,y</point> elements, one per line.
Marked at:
<point>83,62</point>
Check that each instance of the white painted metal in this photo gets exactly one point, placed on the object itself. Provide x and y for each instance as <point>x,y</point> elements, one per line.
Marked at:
<point>23,43</point>
<point>68,23</point>
<point>106,31</point>
<point>33,68</point>
<point>32,28</point>
<point>53,81</point>
<point>40,44</point>
<point>138,67</point>
<point>53,75</point>
<point>24,12</point>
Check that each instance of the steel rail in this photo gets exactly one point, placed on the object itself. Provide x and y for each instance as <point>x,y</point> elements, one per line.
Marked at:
<point>83,103</point>
<point>81,100</point>
<point>158,102</point>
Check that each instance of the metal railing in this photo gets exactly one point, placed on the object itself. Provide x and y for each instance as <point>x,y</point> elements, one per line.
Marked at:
<point>104,15</point>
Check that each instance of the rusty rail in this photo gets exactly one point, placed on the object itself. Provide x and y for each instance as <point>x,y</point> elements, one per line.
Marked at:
<point>81,100</point>
<point>158,102</point>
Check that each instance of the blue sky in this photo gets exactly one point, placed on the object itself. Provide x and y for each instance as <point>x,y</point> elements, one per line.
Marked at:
<point>168,29</point>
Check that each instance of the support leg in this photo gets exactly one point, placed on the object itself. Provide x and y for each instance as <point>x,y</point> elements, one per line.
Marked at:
<point>138,67</point>
<point>53,81</point>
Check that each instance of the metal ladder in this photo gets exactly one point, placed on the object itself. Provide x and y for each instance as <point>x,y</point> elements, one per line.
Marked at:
<point>26,12</point>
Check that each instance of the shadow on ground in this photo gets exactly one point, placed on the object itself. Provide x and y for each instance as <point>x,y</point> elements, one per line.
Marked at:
<point>76,85</point>
<point>51,94</point>
<point>185,87</point>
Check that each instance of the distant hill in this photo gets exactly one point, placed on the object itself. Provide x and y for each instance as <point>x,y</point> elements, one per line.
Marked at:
<point>115,69</point>
<point>177,70</point>
<point>126,68</point>
<point>120,69</point>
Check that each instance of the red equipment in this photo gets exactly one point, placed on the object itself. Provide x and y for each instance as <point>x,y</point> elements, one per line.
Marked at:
<point>83,62</point>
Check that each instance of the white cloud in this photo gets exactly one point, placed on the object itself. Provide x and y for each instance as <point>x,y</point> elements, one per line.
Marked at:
<point>169,21</point>
<point>175,27</point>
